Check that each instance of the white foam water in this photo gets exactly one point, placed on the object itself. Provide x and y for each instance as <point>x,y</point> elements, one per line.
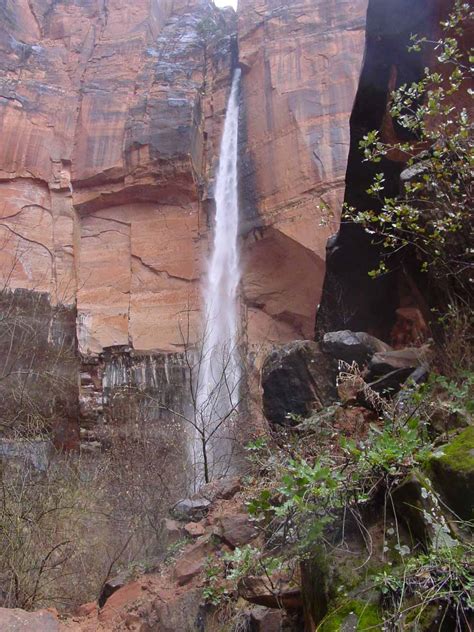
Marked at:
<point>219,368</point>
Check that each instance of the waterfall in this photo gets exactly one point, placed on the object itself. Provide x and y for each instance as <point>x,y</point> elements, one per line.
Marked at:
<point>219,372</point>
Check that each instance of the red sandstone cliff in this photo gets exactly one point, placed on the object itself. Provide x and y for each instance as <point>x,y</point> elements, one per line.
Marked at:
<point>110,115</point>
<point>104,111</point>
<point>301,65</point>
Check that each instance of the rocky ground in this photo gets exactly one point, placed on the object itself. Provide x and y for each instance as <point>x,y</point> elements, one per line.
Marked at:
<point>219,572</point>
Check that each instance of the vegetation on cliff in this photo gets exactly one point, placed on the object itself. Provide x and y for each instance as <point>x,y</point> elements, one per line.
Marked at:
<point>432,215</point>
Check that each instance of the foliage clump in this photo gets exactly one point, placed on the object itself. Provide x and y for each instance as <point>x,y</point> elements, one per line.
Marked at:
<point>312,492</point>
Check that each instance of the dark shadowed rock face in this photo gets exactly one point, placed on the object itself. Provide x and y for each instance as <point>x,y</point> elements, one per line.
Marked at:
<point>297,379</point>
<point>351,299</point>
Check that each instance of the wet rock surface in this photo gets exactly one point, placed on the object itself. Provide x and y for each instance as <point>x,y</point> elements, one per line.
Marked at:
<point>295,155</point>
<point>352,346</point>
<point>297,379</point>
<point>452,466</point>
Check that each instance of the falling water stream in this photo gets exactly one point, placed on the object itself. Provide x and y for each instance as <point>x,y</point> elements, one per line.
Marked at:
<point>219,373</point>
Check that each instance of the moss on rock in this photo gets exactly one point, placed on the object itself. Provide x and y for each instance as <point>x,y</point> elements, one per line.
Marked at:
<point>453,469</point>
<point>423,617</point>
<point>353,615</point>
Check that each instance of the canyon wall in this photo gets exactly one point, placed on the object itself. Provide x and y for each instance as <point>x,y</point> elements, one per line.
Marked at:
<point>104,108</point>
<point>111,114</point>
<point>301,63</point>
<point>110,118</point>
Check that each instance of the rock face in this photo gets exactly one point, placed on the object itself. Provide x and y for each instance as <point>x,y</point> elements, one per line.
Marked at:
<point>297,379</point>
<point>301,63</point>
<point>110,119</point>
<point>351,346</point>
<point>351,299</point>
<point>102,115</point>
<point>453,469</point>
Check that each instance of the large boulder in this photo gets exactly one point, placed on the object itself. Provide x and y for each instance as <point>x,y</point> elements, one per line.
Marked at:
<point>388,370</point>
<point>193,561</point>
<point>219,489</point>
<point>297,379</point>
<point>352,346</point>
<point>276,592</point>
<point>178,611</point>
<point>417,506</point>
<point>112,585</point>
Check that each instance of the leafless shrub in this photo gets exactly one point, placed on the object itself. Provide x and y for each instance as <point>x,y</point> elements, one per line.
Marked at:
<point>352,375</point>
<point>38,366</point>
<point>52,520</point>
<point>147,471</point>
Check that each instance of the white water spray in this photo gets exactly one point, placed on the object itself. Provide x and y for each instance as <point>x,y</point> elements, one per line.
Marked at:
<point>219,374</point>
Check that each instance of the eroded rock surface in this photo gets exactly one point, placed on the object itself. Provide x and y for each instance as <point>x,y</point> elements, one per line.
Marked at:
<point>297,379</point>
<point>104,112</point>
<point>111,117</point>
<point>301,63</point>
<point>351,346</point>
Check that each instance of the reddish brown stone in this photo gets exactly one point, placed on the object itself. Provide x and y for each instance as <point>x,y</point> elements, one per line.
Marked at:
<point>223,488</point>
<point>103,127</point>
<point>237,530</point>
<point>301,63</point>
<point>276,594</point>
<point>86,609</point>
<point>109,141</point>
<point>195,529</point>
<point>192,561</point>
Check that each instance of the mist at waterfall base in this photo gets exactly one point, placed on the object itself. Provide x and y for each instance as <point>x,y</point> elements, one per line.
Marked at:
<point>226,3</point>
<point>219,370</point>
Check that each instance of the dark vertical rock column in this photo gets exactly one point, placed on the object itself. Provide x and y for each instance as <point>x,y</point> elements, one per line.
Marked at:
<point>351,299</point>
